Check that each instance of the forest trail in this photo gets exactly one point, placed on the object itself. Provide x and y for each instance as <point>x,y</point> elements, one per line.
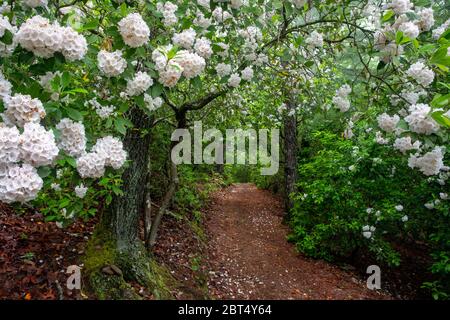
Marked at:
<point>249,257</point>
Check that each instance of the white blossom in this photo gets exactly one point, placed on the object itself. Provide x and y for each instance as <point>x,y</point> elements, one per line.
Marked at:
<point>429,164</point>
<point>72,138</point>
<point>80,191</point>
<point>37,145</point>
<point>420,121</point>
<point>419,72</point>
<point>111,64</point>
<point>21,109</point>
<point>234,80</point>
<point>111,149</point>
<point>134,31</point>
<point>405,144</point>
<point>185,39</point>
<point>139,84</point>
<point>21,183</point>
<point>388,123</point>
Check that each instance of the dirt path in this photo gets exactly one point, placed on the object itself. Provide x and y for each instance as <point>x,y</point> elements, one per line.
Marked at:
<point>250,258</point>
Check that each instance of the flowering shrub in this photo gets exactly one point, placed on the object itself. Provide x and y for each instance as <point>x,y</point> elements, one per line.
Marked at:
<point>76,75</point>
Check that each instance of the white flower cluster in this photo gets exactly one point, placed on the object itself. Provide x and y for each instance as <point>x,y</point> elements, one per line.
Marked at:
<point>221,15</point>
<point>107,151</point>
<point>35,3</point>
<point>441,29</point>
<point>223,69</point>
<point>152,103</point>
<point>388,123</point>
<point>184,63</point>
<point>409,29</point>
<point>380,139</point>
<point>419,72</point>
<point>139,84</point>
<point>44,39</point>
<point>405,144</point>
<point>201,21</point>
<point>247,74</point>
<point>80,191</point>
<point>20,183</point>
<point>37,145</point>
<point>368,231</point>
<point>74,45</point>
<point>191,63</point>
<point>134,31</point>
<point>315,40</point>
<point>411,96</point>
<point>426,21</point>
<point>21,109</point>
<point>112,64</point>
<point>112,151</point>
<point>9,144</point>
<point>400,6</point>
<point>430,163</point>
<point>234,80</point>
<point>168,10</point>
<point>419,120</point>
<point>203,48</point>
<point>102,111</point>
<point>72,138</point>
<point>7,49</point>
<point>185,38</point>
<point>5,87</point>
<point>341,99</point>
<point>348,132</point>
<point>91,165</point>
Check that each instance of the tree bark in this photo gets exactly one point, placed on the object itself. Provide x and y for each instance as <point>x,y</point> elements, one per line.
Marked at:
<point>290,151</point>
<point>116,245</point>
<point>123,215</point>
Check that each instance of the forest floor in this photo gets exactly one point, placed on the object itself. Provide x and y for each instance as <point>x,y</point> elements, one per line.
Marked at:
<point>249,257</point>
<point>236,249</point>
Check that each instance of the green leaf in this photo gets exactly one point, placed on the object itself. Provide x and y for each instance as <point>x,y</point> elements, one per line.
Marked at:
<point>91,25</point>
<point>197,83</point>
<point>71,161</point>
<point>441,101</point>
<point>157,89</point>
<point>65,79</point>
<point>398,37</point>
<point>74,114</point>
<point>7,37</point>
<point>388,15</point>
<point>120,125</point>
<point>439,117</point>
<point>44,172</point>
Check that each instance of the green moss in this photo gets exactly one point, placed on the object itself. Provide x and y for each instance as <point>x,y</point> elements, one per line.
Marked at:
<point>100,251</point>
<point>106,287</point>
<point>135,264</point>
<point>162,282</point>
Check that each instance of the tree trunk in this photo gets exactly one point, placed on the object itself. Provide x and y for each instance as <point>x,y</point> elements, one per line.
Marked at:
<point>172,188</point>
<point>123,215</point>
<point>290,151</point>
<point>115,254</point>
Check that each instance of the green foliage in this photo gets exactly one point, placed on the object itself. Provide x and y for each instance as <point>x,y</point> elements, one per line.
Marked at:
<point>344,186</point>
